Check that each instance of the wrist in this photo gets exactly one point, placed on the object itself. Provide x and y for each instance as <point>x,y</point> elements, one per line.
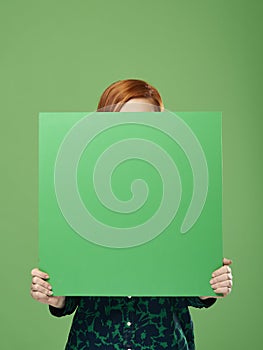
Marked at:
<point>61,301</point>
<point>204,298</point>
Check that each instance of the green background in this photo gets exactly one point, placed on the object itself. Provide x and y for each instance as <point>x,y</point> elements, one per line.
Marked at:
<point>201,55</point>
<point>172,263</point>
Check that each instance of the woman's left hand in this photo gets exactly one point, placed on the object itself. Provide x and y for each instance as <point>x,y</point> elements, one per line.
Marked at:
<point>222,280</point>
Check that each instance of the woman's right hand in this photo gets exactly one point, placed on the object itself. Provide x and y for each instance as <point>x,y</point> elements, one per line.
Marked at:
<point>41,290</point>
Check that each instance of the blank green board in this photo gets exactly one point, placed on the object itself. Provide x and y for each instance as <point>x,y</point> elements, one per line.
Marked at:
<point>130,203</point>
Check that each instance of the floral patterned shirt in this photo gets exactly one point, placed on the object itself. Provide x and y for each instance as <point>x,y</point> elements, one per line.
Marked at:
<point>134,323</point>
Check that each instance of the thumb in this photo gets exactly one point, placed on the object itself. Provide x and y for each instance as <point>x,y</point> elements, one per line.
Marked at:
<point>227,261</point>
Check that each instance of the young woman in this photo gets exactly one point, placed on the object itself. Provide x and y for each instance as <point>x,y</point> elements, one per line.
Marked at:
<point>130,322</point>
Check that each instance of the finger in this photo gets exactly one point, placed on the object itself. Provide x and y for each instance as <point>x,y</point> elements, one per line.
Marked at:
<point>39,296</point>
<point>224,269</point>
<point>227,261</point>
<point>41,282</point>
<point>224,290</point>
<point>36,272</point>
<point>227,283</point>
<point>38,288</point>
<point>221,278</point>
<point>42,298</point>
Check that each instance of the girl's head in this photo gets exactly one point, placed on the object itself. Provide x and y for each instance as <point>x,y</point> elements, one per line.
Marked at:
<point>130,95</point>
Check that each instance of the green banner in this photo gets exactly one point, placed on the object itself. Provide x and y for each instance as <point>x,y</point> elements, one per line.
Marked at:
<point>130,203</point>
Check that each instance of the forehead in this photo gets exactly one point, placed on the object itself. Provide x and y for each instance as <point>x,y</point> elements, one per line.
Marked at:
<point>138,105</point>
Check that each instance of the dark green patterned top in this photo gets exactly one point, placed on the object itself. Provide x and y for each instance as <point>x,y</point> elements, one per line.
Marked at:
<point>135,323</point>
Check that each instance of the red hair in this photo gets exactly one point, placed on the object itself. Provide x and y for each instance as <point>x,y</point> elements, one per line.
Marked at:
<point>118,93</point>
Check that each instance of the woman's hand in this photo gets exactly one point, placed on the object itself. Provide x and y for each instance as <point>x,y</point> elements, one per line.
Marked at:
<point>41,290</point>
<point>222,280</point>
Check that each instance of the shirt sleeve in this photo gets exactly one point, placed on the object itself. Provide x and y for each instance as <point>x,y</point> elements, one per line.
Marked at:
<point>71,304</point>
<point>200,303</point>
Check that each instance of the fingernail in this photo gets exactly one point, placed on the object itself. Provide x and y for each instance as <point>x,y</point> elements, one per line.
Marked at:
<point>49,287</point>
<point>46,276</point>
<point>50,292</point>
